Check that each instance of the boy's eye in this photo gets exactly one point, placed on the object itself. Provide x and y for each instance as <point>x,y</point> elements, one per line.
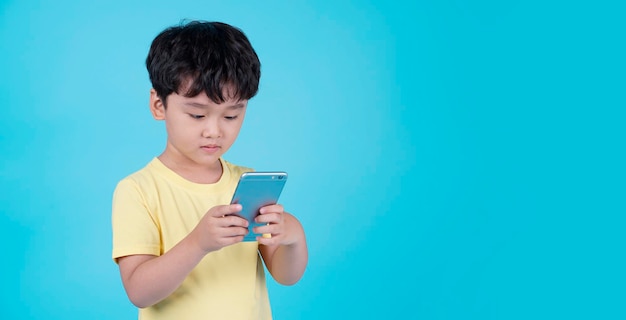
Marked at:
<point>196,116</point>
<point>230,117</point>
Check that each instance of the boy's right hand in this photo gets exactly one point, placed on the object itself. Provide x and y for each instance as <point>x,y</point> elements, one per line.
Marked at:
<point>220,228</point>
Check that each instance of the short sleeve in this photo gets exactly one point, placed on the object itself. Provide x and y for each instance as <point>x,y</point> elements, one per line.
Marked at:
<point>135,229</point>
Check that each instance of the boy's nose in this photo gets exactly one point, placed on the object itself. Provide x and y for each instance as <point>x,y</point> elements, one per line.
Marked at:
<point>211,130</point>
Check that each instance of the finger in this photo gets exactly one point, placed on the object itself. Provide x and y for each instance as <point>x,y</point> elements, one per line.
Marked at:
<point>233,221</point>
<point>229,235</point>
<point>268,218</point>
<point>227,241</point>
<point>233,232</point>
<point>271,229</point>
<point>277,208</point>
<point>220,211</point>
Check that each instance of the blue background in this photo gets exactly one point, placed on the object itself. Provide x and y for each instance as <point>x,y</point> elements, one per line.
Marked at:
<point>448,159</point>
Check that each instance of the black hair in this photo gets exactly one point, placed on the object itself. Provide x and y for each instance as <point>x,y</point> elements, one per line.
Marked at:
<point>199,56</point>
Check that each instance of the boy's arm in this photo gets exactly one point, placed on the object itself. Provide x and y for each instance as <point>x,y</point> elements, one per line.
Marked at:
<point>149,279</point>
<point>285,253</point>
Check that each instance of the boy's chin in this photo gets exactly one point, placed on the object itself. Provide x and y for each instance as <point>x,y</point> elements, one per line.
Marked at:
<point>208,161</point>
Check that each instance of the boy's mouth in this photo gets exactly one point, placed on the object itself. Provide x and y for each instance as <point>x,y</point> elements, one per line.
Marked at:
<point>210,148</point>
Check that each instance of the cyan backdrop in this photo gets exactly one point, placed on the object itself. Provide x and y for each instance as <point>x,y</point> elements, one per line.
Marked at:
<point>449,159</point>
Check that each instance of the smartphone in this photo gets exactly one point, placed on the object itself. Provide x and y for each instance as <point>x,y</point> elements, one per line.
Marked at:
<point>256,190</point>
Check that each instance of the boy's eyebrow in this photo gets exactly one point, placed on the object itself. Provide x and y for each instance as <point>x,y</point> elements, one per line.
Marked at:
<point>204,106</point>
<point>236,106</point>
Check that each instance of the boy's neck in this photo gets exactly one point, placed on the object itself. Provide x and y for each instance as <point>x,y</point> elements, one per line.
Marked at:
<point>193,172</point>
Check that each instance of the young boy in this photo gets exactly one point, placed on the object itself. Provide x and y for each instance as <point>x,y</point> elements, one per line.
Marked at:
<point>177,243</point>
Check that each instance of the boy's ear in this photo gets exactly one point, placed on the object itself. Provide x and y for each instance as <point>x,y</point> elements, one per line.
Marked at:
<point>157,107</point>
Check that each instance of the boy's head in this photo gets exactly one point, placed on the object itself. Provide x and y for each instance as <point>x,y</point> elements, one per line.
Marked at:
<point>210,57</point>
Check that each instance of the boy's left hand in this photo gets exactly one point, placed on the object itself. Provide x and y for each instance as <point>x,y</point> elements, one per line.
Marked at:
<point>285,254</point>
<point>278,223</point>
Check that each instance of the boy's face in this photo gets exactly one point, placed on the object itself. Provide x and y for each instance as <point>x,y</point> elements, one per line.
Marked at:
<point>199,131</point>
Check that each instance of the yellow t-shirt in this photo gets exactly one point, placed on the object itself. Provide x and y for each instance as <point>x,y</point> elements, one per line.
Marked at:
<point>153,209</point>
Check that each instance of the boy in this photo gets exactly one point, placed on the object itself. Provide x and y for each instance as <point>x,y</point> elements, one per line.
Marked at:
<point>177,244</point>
